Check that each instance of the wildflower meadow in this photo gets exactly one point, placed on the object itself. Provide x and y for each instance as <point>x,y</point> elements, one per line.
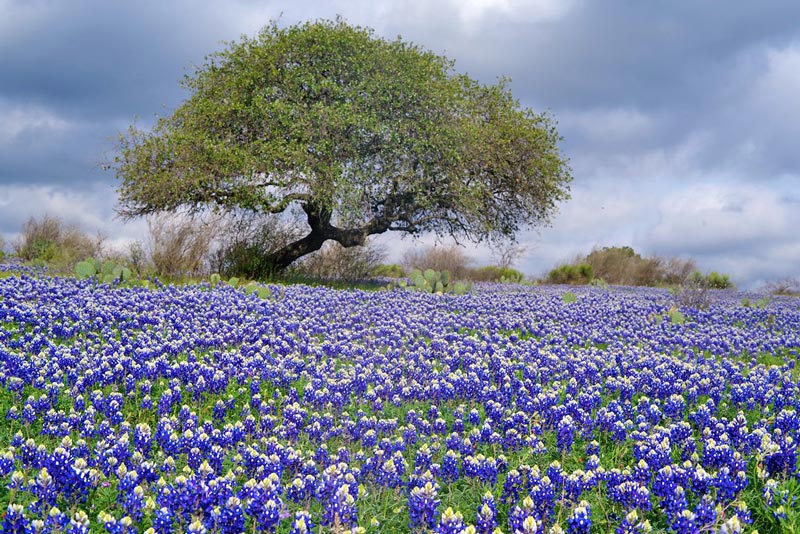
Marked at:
<point>297,409</point>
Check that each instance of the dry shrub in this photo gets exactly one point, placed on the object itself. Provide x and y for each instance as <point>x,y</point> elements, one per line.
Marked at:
<point>245,242</point>
<point>508,253</point>
<point>137,259</point>
<point>623,266</point>
<point>179,244</point>
<point>440,258</point>
<point>693,292</point>
<point>677,271</point>
<point>51,241</point>
<point>785,287</point>
<point>333,261</point>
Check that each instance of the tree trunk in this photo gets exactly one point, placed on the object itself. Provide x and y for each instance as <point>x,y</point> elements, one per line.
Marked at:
<point>282,258</point>
<point>322,230</point>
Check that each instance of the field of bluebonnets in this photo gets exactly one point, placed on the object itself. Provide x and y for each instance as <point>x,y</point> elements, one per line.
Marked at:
<point>206,409</point>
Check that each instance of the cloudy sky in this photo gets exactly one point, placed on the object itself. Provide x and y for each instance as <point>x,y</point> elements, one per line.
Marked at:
<point>681,118</point>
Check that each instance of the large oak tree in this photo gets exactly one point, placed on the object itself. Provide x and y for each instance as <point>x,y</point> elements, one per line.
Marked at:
<point>364,134</point>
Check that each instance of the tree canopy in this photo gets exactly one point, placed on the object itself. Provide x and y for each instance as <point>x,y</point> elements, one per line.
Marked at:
<point>365,135</point>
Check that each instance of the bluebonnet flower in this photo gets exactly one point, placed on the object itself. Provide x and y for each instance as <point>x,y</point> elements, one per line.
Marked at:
<point>15,521</point>
<point>268,516</point>
<point>486,518</point>
<point>302,523</point>
<point>423,459</point>
<point>450,470</point>
<point>197,527</point>
<point>529,525</point>
<point>565,433</point>
<point>472,466</point>
<point>520,514</point>
<point>580,522</point>
<point>705,512</point>
<point>44,488</point>
<point>79,523</point>
<point>543,495</point>
<point>133,503</point>
<point>231,517</point>
<point>631,525</point>
<point>487,471</point>
<point>731,526</point>
<point>474,417</point>
<point>388,475</point>
<point>451,522</point>
<point>743,513</point>
<point>163,521</point>
<point>298,491</point>
<point>511,486</point>
<point>56,520</point>
<point>423,503</point>
<point>340,508</point>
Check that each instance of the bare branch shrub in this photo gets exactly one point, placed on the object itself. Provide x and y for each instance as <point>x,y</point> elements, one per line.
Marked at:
<point>508,253</point>
<point>179,244</point>
<point>786,287</point>
<point>677,270</point>
<point>333,261</point>
<point>136,258</point>
<point>440,258</point>
<point>693,295</point>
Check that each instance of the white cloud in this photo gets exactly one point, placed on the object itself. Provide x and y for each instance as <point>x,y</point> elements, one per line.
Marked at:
<point>19,119</point>
<point>92,210</point>
<point>709,217</point>
<point>473,11</point>
<point>776,91</point>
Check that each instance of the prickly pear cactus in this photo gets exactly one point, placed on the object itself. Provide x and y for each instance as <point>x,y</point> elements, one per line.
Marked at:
<point>446,278</point>
<point>85,269</point>
<point>431,281</point>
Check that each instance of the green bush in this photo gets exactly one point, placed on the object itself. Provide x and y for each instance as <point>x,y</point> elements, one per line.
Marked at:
<point>244,259</point>
<point>389,270</point>
<point>712,280</point>
<point>571,274</point>
<point>715,280</point>
<point>106,272</point>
